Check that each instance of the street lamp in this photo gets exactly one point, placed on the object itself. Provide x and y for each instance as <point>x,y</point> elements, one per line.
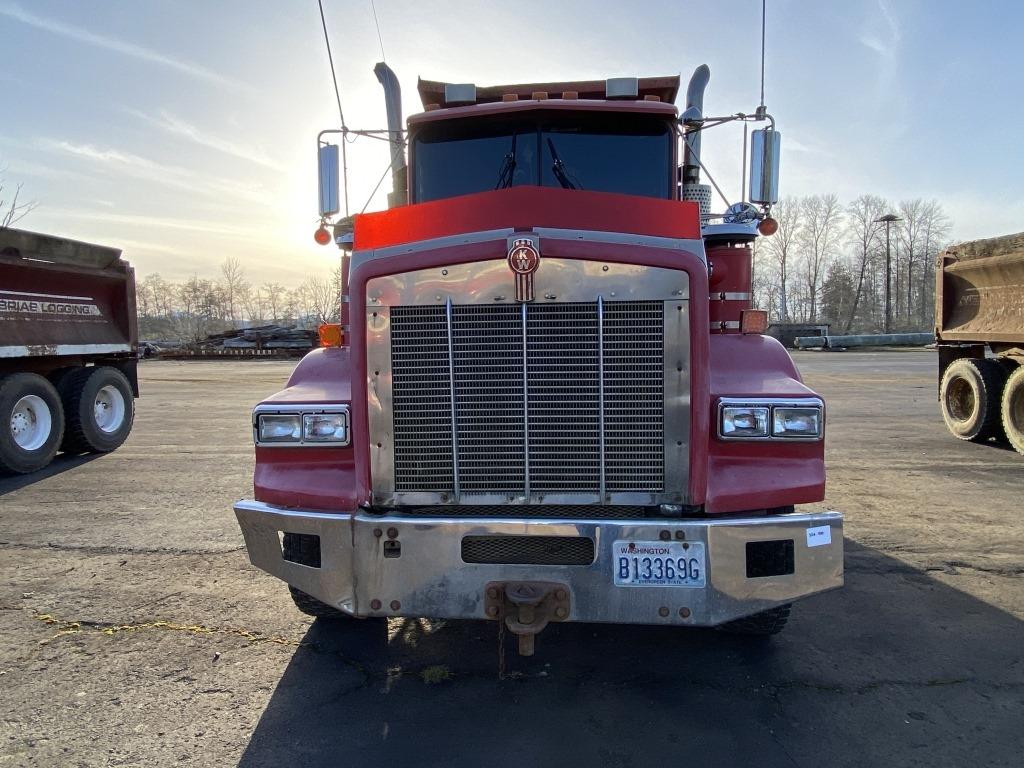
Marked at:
<point>888,220</point>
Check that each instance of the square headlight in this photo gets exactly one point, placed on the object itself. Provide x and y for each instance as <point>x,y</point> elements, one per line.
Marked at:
<point>325,427</point>
<point>793,421</point>
<point>279,428</point>
<point>744,421</point>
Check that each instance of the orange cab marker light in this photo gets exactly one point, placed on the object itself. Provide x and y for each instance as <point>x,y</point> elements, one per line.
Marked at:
<point>753,321</point>
<point>331,335</point>
<point>322,236</point>
<point>768,226</point>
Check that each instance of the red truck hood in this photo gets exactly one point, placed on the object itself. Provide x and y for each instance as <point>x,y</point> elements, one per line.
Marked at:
<point>527,207</point>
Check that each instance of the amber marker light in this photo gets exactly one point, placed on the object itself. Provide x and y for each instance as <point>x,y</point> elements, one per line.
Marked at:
<point>331,335</point>
<point>768,226</point>
<point>322,235</point>
<point>753,321</point>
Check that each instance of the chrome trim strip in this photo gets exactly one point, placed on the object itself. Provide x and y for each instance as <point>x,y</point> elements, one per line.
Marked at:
<point>729,296</point>
<point>677,413</point>
<point>600,390</point>
<point>526,410</point>
<point>63,349</point>
<point>772,403</point>
<point>451,390</point>
<point>301,409</point>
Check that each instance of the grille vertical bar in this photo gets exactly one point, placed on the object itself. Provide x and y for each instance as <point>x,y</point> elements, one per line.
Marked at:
<point>529,399</point>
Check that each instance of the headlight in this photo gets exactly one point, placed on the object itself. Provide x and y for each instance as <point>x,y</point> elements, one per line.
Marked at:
<point>301,425</point>
<point>279,428</point>
<point>325,427</point>
<point>764,418</point>
<point>796,422</point>
<point>744,421</point>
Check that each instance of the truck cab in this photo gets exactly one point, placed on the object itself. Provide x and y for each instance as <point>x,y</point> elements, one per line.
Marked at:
<point>551,399</point>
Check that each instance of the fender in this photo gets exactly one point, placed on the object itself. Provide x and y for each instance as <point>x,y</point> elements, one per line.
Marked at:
<point>763,474</point>
<point>311,478</point>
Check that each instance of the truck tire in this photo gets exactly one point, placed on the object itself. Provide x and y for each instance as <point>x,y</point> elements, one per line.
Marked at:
<point>31,423</point>
<point>1013,409</point>
<point>763,624</point>
<point>99,408</point>
<point>305,550</point>
<point>969,397</point>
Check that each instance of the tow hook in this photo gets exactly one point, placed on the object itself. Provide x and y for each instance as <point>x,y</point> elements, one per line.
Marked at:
<point>526,607</point>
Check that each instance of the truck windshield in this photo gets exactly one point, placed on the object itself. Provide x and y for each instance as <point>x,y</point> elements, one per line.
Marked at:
<point>599,153</point>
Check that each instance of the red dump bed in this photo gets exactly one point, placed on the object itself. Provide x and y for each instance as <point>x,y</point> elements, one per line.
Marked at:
<point>62,299</point>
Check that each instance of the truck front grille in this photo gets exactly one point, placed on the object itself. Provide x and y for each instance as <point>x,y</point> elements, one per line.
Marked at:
<point>529,388</point>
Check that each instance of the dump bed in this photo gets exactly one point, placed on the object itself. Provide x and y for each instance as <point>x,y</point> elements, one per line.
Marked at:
<point>979,294</point>
<point>62,298</point>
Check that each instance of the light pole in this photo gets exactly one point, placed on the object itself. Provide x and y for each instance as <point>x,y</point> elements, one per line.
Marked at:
<point>888,220</point>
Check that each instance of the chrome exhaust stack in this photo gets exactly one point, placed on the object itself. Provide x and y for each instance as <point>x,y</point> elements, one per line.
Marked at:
<point>692,119</point>
<point>399,194</point>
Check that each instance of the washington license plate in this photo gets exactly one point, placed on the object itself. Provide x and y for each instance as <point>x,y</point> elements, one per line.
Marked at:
<point>658,563</point>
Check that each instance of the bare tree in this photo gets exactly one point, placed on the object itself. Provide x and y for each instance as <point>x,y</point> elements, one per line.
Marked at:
<point>12,211</point>
<point>782,245</point>
<point>275,295</point>
<point>322,301</point>
<point>819,236</point>
<point>234,284</point>
<point>934,238</point>
<point>863,233</point>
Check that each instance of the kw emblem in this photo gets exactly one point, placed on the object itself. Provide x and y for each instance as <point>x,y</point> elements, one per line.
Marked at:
<point>523,260</point>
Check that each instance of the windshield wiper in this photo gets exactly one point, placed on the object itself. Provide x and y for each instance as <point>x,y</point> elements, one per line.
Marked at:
<point>558,168</point>
<point>508,166</point>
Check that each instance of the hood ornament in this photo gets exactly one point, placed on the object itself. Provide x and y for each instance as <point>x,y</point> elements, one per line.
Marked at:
<point>523,260</point>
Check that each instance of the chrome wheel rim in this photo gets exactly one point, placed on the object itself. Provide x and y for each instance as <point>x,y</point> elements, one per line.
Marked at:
<point>109,409</point>
<point>31,423</point>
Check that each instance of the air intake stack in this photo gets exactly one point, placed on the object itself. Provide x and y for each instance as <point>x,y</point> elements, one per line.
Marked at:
<point>693,120</point>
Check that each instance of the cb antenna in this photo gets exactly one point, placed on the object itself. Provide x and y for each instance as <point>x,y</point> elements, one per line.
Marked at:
<point>337,96</point>
<point>764,4</point>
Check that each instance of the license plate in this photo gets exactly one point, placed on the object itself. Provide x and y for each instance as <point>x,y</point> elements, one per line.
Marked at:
<point>658,563</point>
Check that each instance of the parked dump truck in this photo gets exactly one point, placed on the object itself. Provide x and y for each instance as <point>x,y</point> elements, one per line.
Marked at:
<point>551,400</point>
<point>68,344</point>
<point>979,309</point>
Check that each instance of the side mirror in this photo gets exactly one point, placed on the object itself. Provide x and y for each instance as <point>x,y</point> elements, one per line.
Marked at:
<point>765,150</point>
<point>327,160</point>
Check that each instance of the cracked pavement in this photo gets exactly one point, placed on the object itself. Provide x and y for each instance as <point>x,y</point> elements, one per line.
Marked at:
<point>135,631</point>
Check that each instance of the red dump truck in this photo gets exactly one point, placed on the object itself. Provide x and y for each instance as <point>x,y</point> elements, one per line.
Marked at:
<point>68,343</point>
<point>551,400</point>
<point>979,307</point>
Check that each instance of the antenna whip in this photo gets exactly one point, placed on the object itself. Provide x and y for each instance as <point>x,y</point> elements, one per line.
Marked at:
<point>337,96</point>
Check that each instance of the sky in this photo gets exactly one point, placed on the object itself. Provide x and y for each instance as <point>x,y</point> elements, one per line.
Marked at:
<point>184,131</point>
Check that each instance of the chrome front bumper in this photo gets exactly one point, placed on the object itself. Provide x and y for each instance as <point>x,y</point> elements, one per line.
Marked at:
<point>363,576</point>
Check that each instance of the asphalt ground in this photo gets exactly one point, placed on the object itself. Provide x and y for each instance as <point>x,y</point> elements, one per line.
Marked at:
<point>134,631</point>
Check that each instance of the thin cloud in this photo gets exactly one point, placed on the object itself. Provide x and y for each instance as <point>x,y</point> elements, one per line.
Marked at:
<point>55,27</point>
<point>876,45</point>
<point>164,222</point>
<point>144,169</point>
<point>178,127</point>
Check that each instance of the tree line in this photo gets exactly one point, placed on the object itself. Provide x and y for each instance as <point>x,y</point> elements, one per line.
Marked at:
<point>191,309</point>
<point>827,263</point>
